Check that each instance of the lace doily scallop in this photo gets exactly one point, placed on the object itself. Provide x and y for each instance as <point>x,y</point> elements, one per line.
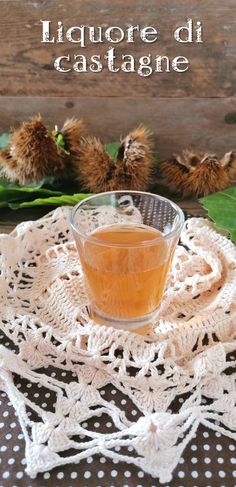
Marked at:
<point>44,315</point>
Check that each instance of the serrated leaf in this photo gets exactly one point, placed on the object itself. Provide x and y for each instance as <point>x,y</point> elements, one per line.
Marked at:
<point>64,199</point>
<point>112,149</point>
<point>221,208</point>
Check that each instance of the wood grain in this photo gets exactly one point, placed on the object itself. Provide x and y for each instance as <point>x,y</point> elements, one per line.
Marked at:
<point>27,65</point>
<point>176,123</point>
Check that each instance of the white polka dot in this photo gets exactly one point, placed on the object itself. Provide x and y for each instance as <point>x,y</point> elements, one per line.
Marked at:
<point>218,435</point>
<point>233,460</point>
<point>11,461</point>
<point>114,473</point>
<point>218,447</point>
<point>103,460</point>
<point>3,448</point>
<point>220,460</point>
<point>206,447</point>
<point>1,425</point>
<point>206,434</point>
<point>6,474</point>
<point>74,475</point>
<point>84,425</point>
<point>231,447</point>
<point>53,374</point>
<point>112,402</point>
<point>208,474</point>
<point>63,374</point>
<point>102,392</point>
<point>115,460</point>
<point>29,385</point>
<point>16,448</point>
<point>60,475</point>
<point>44,405</point>
<point>234,473</point>
<point>140,474</point>
<point>87,474</point>
<point>96,425</point>
<point>89,459</point>
<point>117,448</point>
<point>207,460</point>
<point>19,475</point>
<point>36,394</point>
<point>181,474</point>
<point>194,460</point>
<point>194,447</point>
<point>194,474</point>
<point>123,402</point>
<point>20,436</point>
<point>23,461</point>
<point>5,414</point>
<point>100,474</point>
<point>46,475</point>
<point>127,473</point>
<point>221,474</point>
<point>13,425</point>
<point>47,394</point>
<point>133,412</point>
<point>8,436</point>
<point>108,424</point>
<point>181,460</point>
<point>130,448</point>
<point>113,391</point>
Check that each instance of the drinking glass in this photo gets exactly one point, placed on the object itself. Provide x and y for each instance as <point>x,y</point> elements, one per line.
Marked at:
<point>126,241</point>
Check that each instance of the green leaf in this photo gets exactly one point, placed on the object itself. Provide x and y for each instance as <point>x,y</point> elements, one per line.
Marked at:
<point>64,199</point>
<point>221,209</point>
<point>4,139</point>
<point>112,149</point>
<point>13,192</point>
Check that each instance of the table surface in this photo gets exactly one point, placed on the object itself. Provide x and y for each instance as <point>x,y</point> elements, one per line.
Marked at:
<point>208,461</point>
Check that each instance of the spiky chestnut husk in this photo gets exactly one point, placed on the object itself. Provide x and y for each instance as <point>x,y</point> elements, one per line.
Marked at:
<point>130,170</point>
<point>32,153</point>
<point>95,166</point>
<point>73,130</point>
<point>134,161</point>
<point>195,174</point>
<point>229,163</point>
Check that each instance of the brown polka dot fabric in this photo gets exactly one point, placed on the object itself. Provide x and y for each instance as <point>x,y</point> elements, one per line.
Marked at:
<point>208,461</point>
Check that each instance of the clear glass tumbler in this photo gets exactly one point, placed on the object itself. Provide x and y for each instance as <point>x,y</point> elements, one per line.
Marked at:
<point>126,241</point>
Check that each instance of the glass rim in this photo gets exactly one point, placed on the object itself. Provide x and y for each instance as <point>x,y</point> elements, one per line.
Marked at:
<point>144,243</point>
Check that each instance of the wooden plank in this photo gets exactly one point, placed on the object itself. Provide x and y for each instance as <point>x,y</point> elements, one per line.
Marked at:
<point>27,64</point>
<point>176,123</point>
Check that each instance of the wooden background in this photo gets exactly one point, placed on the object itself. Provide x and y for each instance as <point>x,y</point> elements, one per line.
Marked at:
<point>196,108</point>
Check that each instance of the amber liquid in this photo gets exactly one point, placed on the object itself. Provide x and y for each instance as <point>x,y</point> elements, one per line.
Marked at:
<point>125,282</point>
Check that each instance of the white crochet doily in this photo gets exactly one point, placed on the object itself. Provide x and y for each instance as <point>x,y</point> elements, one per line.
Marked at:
<point>44,316</point>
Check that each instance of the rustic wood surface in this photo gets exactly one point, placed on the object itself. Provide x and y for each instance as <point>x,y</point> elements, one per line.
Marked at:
<point>176,123</point>
<point>27,64</point>
<point>9,218</point>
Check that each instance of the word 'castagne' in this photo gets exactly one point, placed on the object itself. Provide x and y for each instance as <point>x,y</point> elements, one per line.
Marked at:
<point>144,66</point>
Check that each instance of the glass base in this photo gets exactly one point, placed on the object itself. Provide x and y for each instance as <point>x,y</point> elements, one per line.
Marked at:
<point>141,325</point>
